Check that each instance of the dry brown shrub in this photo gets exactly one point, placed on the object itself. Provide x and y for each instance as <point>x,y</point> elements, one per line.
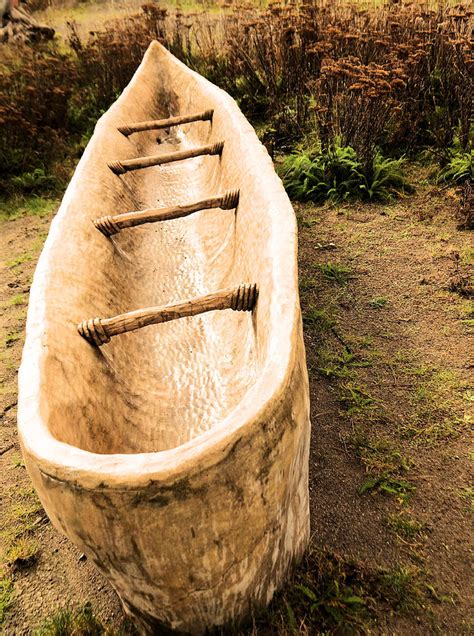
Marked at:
<point>397,76</point>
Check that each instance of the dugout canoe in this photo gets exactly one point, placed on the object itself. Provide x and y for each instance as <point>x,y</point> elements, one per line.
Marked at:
<point>175,455</point>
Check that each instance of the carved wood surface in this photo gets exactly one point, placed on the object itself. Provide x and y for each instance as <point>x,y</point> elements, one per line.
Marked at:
<point>177,458</point>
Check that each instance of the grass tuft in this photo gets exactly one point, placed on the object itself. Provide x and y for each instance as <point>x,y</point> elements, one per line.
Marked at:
<point>23,554</point>
<point>19,206</point>
<point>66,622</point>
<point>19,260</point>
<point>318,318</point>
<point>378,302</point>
<point>17,300</point>
<point>6,594</point>
<point>459,168</point>
<point>406,527</point>
<point>331,595</point>
<point>335,273</point>
<point>385,465</point>
<point>402,589</point>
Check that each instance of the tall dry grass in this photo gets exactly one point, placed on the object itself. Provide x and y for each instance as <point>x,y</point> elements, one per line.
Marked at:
<point>395,76</point>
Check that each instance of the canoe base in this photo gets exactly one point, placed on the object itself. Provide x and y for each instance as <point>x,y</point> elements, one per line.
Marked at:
<point>145,625</point>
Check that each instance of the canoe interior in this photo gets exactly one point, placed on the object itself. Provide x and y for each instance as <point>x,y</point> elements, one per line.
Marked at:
<point>161,386</point>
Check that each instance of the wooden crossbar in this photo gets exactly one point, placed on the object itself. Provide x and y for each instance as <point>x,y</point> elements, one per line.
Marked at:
<point>109,225</point>
<point>99,331</point>
<point>120,167</point>
<point>157,124</point>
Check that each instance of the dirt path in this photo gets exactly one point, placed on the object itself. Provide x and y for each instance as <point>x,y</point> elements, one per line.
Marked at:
<point>387,348</point>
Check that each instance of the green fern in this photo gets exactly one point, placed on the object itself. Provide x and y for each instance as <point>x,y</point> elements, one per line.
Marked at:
<point>460,168</point>
<point>338,175</point>
<point>34,181</point>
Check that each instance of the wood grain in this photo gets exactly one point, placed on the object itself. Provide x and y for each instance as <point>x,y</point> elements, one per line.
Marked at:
<point>100,330</point>
<point>157,124</point>
<point>120,167</point>
<point>109,225</point>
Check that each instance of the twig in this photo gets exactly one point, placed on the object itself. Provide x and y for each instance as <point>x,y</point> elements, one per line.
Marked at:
<point>8,408</point>
<point>341,340</point>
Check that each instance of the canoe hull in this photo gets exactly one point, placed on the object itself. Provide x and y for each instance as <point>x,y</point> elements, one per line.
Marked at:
<point>193,532</point>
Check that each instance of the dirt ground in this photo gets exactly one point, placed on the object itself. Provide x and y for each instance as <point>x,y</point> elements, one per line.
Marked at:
<point>388,356</point>
<point>409,339</point>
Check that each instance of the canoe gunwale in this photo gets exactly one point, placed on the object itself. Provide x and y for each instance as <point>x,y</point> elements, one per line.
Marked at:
<point>89,470</point>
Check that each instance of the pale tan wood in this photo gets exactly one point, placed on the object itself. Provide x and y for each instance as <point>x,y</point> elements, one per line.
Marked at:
<point>119,167</point>
<point>100,330</point>
<point>157,124</point>
<point>109,225</point>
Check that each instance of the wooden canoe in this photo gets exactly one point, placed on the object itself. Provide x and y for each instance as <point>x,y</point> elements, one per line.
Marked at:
<point>175,455</point>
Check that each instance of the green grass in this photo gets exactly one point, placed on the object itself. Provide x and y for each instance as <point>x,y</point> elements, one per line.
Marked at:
<point>467,255</point>
<point>336,174</point>
<point>318,318</point>
<point>405,526</point>
<point>402,589</point>
<point>355,399</point>
<point>16,207</point>
<point>467,494</point>
<point>26,507</point>
<point>11,338</point>
<point>81,621</point>
<point>335,273</point>
<point>377,454</point>
<point>34,182</point>
<point>307,223</point>
<point>326,593</point>
<point>434,432</point>
<point>23,514</point>
<point>19,260</point>
<point>378,302</point>
<point>6,596</point>
<point>22,553</point>
<point>436,402</point>
<point>384,463</point>
<point>306,285</point>
<point>71,622</point>
<point>332,595</point>
<point>17,461</point>
<point>17,299</point>
<point>459,168</point>
<point>340,365</point>
<point>387,484</point>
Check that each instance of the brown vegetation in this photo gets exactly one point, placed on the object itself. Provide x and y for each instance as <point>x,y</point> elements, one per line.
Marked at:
<point>396,77</point>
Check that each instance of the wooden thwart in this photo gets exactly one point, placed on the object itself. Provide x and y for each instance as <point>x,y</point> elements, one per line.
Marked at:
<point>157,124</point>
<point>119,167</point>
<point>109,225</point>
<point>99,331</point>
